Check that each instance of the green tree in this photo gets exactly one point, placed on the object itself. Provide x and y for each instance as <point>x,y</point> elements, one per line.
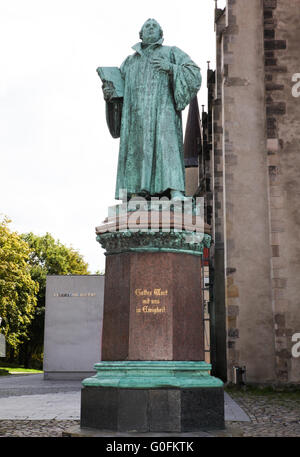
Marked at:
<point>47,257</point>
<point>17,287</point>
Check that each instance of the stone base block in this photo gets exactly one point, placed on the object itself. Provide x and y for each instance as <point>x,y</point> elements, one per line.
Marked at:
<point>152,410</point>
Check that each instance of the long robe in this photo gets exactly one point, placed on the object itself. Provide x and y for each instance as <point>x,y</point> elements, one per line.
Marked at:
<point>151,139</point>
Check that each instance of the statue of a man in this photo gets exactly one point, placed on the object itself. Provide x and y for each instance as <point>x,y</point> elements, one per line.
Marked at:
<point>159,82</point>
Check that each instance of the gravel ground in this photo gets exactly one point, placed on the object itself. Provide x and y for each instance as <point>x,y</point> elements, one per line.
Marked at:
<point>275,414</point>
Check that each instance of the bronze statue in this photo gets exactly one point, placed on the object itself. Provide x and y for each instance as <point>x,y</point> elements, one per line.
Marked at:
<point>159,82</point>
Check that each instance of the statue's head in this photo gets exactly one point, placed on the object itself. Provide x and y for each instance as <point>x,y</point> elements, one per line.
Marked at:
<point>151,32</point>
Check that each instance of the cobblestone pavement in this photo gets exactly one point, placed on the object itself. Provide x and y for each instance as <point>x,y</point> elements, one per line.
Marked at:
<point>34,428</point>
<point>275,414</point>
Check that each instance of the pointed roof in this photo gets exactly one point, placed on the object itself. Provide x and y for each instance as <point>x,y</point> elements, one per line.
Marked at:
<point>192,139</point>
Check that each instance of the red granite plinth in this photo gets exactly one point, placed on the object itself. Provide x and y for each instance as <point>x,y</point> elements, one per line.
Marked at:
<point>153,307</point>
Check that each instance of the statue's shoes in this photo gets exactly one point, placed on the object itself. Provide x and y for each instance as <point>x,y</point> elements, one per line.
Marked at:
<point>176,195</point>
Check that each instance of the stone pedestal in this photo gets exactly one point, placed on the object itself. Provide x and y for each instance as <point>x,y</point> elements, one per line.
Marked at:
<point>152,397</point>
<point>152,307</point>
<point>152,376</point>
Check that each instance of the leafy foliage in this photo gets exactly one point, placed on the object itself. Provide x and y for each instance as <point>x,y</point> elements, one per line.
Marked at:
<point>18,289</point>
<point>50,257</point>
<point>25,262</point>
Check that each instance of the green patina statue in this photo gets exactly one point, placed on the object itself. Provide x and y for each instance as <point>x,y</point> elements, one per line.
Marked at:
<point>159,82</point>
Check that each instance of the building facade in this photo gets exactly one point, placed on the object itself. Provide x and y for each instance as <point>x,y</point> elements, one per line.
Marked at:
<point>249,174</point>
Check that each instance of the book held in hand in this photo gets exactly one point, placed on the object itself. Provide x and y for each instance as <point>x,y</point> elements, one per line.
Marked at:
<point>111,76</point>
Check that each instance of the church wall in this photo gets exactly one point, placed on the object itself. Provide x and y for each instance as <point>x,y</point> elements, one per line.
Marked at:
<point>192,182</point>
<point>282,61</point>
<point>218,310</point>
<point>248,298</point>
<point>256,189</point>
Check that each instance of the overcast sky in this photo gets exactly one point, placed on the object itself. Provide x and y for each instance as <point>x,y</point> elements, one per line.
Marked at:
<point>58,160</point>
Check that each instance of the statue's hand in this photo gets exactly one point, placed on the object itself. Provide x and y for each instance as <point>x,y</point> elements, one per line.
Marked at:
<point>162,64</point>
<point>107,92</point>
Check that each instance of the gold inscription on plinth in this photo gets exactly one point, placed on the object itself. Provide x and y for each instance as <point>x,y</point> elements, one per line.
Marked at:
<point>150,310</point>
<point>147,305</point>
<point>143,292</point>
<point>150,292</point>
<point>160,292</point>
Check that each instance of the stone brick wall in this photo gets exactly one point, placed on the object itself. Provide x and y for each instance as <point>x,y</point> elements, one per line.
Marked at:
<point>282,60</point>
<point>218,310</point>
<point>243,211</point>
<point>256,189</point>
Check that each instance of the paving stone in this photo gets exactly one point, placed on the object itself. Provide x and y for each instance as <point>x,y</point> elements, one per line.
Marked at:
<point>270,415</point>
